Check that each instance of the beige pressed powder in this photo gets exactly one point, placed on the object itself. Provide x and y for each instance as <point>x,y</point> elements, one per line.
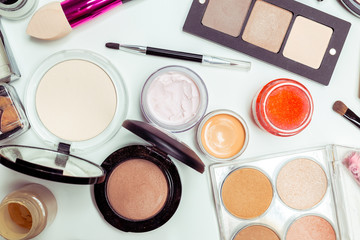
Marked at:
<point>226,16</point>
<point>267,26</point>
<point>301,183</point>
<point>307,42</point>
<point>76,100</point>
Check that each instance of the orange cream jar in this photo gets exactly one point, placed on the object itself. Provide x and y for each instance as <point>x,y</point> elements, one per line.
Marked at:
<point>222,135</point>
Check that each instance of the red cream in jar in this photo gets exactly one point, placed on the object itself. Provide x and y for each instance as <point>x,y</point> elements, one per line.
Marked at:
<point>283,107</point>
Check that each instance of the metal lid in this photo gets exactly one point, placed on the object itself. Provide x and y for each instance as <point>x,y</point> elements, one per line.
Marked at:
<point>51,165</point>
<point>165,143</point>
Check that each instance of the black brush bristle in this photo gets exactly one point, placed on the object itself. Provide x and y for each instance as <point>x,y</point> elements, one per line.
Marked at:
<point>112,45</point>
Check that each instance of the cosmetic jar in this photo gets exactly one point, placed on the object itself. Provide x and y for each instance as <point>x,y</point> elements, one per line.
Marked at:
<point>142,188</point>
<point>76,98</point>
<point>222,135</point>
<point>17,9</point>
<point>283,107</point>
<point>174,98</point>
<point>9,70</point>
<point>13,121</point>
<point>25,213</point>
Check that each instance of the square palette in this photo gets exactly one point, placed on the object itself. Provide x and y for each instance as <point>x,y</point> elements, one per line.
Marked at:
<point>284,33</point>
<point>287,196</point>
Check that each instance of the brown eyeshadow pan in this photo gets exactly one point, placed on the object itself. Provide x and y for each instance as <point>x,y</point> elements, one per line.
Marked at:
<point>267,26</point>
<point>137,189</point>
<point>226,16</point>
<point>256,232</point>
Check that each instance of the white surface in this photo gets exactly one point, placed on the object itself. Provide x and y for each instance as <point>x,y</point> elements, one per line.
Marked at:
<point>158,23</point>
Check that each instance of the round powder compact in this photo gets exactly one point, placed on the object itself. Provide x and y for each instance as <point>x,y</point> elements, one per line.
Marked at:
<point>283,107</point>
<point>76,97</point>
<point>174,98</point>
<point>142,189</point>
<point>222,135</point>
<point>311,228</point>
<point>256,232</point>
<point>301,183</point>
<point>246,193</point>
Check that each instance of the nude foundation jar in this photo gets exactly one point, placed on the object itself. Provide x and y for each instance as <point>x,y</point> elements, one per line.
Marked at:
<point>222,135</point>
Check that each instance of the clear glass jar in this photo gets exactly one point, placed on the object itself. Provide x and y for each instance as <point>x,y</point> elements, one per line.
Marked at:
<point>25,213</point>
<point>283,107</point>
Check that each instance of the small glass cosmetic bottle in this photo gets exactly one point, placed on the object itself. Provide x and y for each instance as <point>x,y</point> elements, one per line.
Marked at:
<point>25,213</point>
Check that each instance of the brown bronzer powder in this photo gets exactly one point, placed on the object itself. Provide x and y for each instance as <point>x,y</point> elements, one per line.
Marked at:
<point>137,189</point>
<point>256,232</point>
<point>247,193</point>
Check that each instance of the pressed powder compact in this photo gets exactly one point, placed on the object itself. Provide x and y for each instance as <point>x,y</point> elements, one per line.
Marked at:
<point>142,188</point>
<point>76,98</point>
<point>290,196</point>
<point>285,33</point>
<point>174,98</point>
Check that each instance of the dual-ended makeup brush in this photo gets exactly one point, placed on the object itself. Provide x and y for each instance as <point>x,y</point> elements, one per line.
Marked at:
<point>56,19</point>
<point>344,111</point>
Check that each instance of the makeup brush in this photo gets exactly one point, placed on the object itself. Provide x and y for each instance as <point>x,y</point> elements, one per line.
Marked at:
<point>203,59</point>
<point>55,20</point>
<point>344,111</point>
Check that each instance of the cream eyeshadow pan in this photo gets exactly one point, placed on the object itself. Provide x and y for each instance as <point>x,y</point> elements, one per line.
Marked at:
<point>285,33</point>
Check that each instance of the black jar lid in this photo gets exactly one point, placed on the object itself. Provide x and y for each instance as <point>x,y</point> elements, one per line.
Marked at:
<point>165,143</point>
<point>51,165</point>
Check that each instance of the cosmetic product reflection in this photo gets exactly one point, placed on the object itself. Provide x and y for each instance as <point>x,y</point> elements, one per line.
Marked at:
<point>174,98</point>
<point>17,9</point>
<point>13,120</point>
<point>347,113</point>
<point>222,135</point>
<point>55,20</point>
<point>283,107</point>
<point>25,213</point>
<point>142,188</point>
<point>273,31</point>
<point>203,59</point>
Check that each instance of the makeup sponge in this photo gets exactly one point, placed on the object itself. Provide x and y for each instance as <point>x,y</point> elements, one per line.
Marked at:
<point>49,23</point>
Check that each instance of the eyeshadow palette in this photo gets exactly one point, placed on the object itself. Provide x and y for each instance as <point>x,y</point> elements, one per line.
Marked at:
<point>284,33</point>
<point>284,196</point>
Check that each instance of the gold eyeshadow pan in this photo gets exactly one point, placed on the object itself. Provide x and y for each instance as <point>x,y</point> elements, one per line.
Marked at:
<point>284,33</point>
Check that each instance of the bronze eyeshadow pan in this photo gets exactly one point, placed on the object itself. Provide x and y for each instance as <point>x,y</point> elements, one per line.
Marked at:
<point>285,33</point>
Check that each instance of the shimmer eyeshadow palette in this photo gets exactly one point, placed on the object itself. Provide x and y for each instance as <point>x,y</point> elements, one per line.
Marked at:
<point>284,33</point>
<point>288,197</point>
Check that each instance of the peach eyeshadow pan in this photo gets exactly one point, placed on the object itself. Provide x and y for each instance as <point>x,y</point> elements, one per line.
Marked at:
<point>311,228</point>
<point>247,193</point>
<point>137,189</point>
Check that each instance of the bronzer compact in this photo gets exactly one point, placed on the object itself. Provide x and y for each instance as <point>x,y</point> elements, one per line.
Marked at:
<point>142,188</point>
<point>284,33</point>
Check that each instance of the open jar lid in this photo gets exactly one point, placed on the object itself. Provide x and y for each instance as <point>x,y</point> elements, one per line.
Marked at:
<point>165,143</point>
<point>51,165</point>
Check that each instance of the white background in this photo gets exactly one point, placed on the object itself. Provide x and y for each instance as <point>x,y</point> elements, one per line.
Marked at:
<point>158,23</point>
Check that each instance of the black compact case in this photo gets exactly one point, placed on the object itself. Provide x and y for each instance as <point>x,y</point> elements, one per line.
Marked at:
<point>321,74</point>
<point>157,153</point>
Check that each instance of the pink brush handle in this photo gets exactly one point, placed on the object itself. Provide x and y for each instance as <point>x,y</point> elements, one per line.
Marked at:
<point>80,11</point>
